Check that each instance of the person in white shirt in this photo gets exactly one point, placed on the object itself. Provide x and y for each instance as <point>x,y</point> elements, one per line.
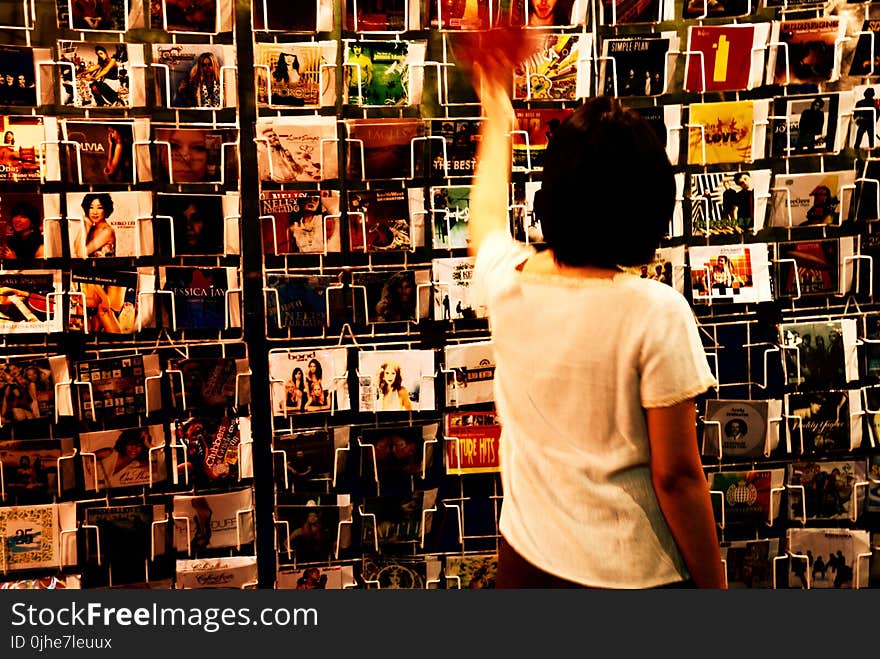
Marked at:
<point>597,370</point>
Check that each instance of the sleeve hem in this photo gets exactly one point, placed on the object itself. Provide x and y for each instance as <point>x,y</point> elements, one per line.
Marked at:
<point>681,396</point>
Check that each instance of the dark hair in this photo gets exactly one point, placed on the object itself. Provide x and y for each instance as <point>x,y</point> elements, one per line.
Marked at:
<point>129,436</point>
<point>613,152</point>
<point>99,49</point>
<point>27,210</point>
<point>105,199</point>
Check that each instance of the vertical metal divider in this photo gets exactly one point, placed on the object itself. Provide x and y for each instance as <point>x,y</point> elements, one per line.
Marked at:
<point>253,304</point>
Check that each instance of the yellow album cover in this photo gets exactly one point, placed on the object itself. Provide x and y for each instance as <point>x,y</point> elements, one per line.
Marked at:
<point>720,132</point>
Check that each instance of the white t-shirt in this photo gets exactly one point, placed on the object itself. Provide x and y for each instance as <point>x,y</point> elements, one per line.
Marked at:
<point>576,361</point>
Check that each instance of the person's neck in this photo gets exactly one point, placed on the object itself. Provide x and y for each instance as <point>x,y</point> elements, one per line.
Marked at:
<point>545,263</point>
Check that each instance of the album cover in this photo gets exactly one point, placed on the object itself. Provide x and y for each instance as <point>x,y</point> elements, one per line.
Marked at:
<point>384,73</point>
<point>213,521</point>
<point>828,558</point>
<point>99,15</point>
<point>558,71</point>
<point>667,266</point>
<point>384,148</point>
<point>123,458</point>
<point>393,456</point>
<point>820,354</point>
<point>24,156</point>
<point>297,149</point>
<point>25,233</point>
<point>198,224</point>
<point>33,469</point>
<point>28,304</point>
<point>30,537</point>
<point>471,571</point>
<point>534,129</point>
<point>305,305</point>
<point>108,224</point>
<point>471,373</point>
<point>396,380</point>
<point>455,153</point>
<point>400,573</point>
<point>730,273</point>
<point>816,199</point>
<point>293,17</point>
<point>637,65</point>
<point>202,298</point>
<point>805,125</point>
<point>726,131</point>
<point>827,421</point>
<point>392,295</point>
<point>29,388</point>
<point>666,122</point>
<point>54,582</point>
<point>749,563</point>
<point>450,207</point>
<point>209,450</point>
<point>464,14</point>
<point>452,298</point>
<point>101,74</point>
<point>627,12</point>
<point>866,56</point>
<point>192,16</point>
<point>18,82</point>
<point>386,220</point>
<point>300,221</point>
<point>873,505</point>
<point>306,456</point>
<point>725,57</point>
<point>103,152</point>
<point>308,381</point>
<point>107,302</point>
<point>814,267</point>
<point>227,572</point>
<point>397,15</point>
<point>472,441</point>
<point>333,577</point>
<point>749,428</point>
<point>398,518</point>
<point>526,225</point>
<point>196,155</point>
<point>729,203</point>
<point>118,386</point>
<point>534,13</point>
<point>871,346</point>
<point>192,76</point>
<point>202,383</point>
<point>825,490</point>
<point>717,8</point>
<point>123,539</point>
<point>311,532</point>
<point>301,75</point>
<point>747,497</point>
<point>866,197</point>
<point>806,51</point>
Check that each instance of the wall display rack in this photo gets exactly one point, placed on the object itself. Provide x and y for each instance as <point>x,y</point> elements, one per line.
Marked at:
<point>237,339</point>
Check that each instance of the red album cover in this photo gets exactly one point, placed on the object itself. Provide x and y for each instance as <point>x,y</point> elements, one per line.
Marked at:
<point>725,64</point>
<point>472,441</point>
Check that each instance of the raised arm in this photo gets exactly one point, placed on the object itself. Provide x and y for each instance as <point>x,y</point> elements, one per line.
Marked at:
<point>488,202</point>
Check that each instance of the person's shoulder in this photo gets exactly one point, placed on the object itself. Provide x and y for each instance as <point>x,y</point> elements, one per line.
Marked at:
<point>653,292</point>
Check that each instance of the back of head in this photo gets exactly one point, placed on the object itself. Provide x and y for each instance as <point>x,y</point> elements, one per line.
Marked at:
<point>608,189</point>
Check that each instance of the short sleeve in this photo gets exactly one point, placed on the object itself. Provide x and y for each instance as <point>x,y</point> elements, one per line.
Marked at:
<point>673,364</point>
<point>497,258</point>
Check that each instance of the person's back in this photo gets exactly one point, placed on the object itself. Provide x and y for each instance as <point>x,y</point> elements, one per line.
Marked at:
<point>596,369</point>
